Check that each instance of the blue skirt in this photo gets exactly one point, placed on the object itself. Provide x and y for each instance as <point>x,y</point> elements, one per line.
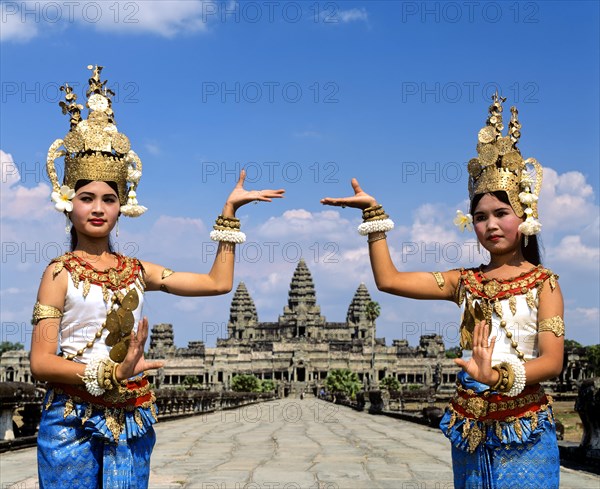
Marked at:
<point>77,448</point>
<point>515,453</point>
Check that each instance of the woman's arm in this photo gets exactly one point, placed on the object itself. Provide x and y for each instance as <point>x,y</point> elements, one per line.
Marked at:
<point>220,278</point>
<point>47,366</point>
<point>549,363</point>
<point>415,285</point>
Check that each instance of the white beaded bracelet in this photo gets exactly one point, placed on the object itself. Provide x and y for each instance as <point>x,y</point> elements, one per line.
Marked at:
<point>520,377</point>
<point>368,227</point>
<point>237,237</point>
<point>91,377</point>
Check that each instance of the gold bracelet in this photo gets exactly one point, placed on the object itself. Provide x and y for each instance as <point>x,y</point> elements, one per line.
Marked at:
<point>376,236</point>
<point>115,382</point>
<point>498,383</point>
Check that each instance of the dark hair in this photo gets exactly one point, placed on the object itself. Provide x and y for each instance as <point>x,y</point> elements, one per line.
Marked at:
<point>78,185</point>
<point>531,252</point>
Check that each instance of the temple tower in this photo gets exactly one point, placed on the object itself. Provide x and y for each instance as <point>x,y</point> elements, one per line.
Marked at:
<point>242,314</point>
<point>161,341</point>
<point>302,316</point>
<point>357,317</point>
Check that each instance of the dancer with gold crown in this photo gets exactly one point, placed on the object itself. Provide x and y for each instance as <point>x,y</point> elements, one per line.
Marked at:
<point>89,335</point>
<point>499,421</point>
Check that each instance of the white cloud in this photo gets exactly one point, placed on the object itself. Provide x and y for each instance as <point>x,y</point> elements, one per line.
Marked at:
<point>297,224</point>
<point>15,26</point>
<point>572,252</point>
<point>566,201</point>
<point>18,202</point>
<point>166,18</point>
<point>353,15</point>
<point>22,21</point>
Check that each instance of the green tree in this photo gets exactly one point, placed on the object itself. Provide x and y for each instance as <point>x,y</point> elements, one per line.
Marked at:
<point>190,380</point>
<point>373,310</point>
<point>268,385</point>
<point>343,381</point>
<point>10,346</point>
<point>245,383</point>
<point>572,344</point>
<point>390,384</point>
<point>453,352</point>
<point>593,356</point>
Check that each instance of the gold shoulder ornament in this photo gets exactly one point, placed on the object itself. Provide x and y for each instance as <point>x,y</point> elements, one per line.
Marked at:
<point>43,311</point>
<point>554,324</point>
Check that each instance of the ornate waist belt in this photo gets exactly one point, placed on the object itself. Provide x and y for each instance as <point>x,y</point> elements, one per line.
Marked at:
<point>498,407</point>
<point>130,395</point>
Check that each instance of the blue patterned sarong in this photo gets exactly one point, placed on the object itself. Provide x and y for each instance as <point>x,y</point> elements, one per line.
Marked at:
<point>77,447</point>
<point>518,452</point>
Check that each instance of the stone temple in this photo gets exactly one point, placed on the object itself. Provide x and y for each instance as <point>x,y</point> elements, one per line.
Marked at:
<point>301,347</point>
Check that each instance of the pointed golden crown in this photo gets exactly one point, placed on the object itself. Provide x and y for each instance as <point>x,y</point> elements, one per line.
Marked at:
<point>94,149</point>
<point>500,166</point>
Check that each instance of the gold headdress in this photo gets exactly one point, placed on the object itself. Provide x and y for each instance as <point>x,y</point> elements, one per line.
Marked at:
<point>500,166</point>
<point>94,149</point>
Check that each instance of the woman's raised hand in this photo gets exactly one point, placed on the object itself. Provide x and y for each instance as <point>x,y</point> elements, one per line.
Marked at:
<point>240,196</point>
<point>360,199</point>
<point>479,366</point>
<point>134,362</point>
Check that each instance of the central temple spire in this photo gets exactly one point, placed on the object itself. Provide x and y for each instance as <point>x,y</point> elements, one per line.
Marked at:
<point>302,310</point>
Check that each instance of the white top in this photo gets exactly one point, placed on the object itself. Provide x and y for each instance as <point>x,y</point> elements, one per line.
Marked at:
<point>522,325</point>
<point>83,317</point>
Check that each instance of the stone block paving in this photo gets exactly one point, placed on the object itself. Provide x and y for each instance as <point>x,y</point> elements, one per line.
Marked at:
<point>291,444</point>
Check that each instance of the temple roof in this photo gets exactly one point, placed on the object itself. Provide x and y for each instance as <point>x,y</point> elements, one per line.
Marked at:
<point>242,308</point>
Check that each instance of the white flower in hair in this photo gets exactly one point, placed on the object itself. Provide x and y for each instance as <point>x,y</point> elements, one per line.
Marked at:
<point>527,198</point>
<point>62,199</point>
<point>463,221</point>
<point>133,175</point>
<point>530,226</point>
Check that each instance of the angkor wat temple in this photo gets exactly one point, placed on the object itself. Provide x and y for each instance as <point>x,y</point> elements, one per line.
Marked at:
<point>301,347</point>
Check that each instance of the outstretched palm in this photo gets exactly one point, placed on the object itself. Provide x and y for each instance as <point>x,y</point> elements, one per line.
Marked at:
<point>239,196</point>
<point>479,366</point>
<point>134,362</point>
<point>360,199</point>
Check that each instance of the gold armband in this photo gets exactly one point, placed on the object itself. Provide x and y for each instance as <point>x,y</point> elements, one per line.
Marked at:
<point>439,278</point>
<point>167,272</point>
<point>42,311</point>
<point>554,324</point>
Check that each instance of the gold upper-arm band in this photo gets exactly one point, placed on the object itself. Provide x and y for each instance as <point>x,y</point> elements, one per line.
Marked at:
<point>554,324</point>
<point>42,311</point>
<point>439,278</point>
<point>167,272</point>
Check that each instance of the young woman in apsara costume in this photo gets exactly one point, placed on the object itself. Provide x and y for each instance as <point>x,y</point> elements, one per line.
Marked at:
<point>89,335</point>
<point>500,421</point>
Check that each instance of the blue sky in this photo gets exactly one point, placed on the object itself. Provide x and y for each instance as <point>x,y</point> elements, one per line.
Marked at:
<point>305,95</point>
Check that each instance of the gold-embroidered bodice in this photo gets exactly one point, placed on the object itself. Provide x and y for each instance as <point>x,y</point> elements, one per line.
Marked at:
<point>92,296</point>
<point>510,306</point>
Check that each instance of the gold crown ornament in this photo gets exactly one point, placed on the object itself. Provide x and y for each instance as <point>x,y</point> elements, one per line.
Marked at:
<point>499,166</point>
<point>94,149</point>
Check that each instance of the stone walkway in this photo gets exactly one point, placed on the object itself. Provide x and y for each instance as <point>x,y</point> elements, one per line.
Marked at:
<point>291,444</point>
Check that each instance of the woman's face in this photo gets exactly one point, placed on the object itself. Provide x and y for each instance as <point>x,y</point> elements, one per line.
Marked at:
<point>96,209</point>
<point>496,225</point>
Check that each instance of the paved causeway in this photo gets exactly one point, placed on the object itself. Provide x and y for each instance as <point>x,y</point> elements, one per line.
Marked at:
<point>290,444</point>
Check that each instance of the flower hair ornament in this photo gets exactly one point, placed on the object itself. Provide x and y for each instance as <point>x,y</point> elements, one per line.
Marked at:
<point>499,166</point>
<point>94,149</point>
